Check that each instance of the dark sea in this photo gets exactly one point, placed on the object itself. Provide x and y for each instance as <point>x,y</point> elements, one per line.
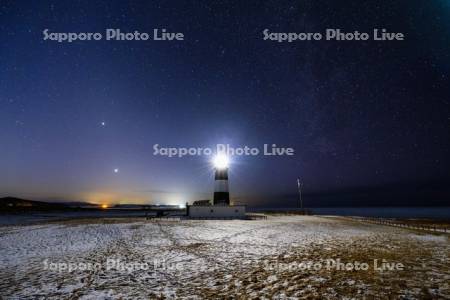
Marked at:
<point>437,213</point>
<point>441,213</point>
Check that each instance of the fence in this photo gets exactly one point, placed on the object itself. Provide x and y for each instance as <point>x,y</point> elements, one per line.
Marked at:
<point>398,223</point>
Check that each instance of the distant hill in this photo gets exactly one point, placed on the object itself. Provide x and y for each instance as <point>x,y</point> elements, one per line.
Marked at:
<point>79,204</point>
<point>18,202</point>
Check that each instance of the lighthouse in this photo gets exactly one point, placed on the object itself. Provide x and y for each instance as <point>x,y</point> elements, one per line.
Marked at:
<point>220,208</point>
<point>221,193</point>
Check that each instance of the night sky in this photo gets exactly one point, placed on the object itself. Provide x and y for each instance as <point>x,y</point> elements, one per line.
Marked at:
<point>78,120</point>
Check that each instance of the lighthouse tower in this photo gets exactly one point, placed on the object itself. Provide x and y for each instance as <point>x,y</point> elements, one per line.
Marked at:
<point>220,208</point>
<point>221,193</point>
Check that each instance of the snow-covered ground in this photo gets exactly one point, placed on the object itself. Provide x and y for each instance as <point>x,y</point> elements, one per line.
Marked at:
<point>281,257</point>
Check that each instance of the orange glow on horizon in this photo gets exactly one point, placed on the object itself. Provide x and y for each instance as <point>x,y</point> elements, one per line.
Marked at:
<point>104,206</point>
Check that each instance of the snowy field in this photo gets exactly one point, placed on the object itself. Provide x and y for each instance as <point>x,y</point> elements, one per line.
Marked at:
<point>278,258</point>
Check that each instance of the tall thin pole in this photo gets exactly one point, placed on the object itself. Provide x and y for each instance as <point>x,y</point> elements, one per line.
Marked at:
<point>299,186</point>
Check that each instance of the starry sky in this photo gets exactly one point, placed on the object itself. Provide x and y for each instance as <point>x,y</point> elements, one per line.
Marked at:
<point>78,121</point>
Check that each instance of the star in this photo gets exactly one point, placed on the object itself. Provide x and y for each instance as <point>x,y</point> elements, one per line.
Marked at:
<point>116,170</point>
<point>103,124</point>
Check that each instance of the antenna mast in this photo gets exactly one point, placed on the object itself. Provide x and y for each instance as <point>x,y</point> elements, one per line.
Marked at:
<point>299,186</point>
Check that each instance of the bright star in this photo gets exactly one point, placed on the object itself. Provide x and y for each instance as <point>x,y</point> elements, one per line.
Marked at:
<point>116,170</point>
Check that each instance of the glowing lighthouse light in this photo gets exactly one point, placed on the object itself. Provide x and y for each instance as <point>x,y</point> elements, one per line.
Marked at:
<point>221,161</point>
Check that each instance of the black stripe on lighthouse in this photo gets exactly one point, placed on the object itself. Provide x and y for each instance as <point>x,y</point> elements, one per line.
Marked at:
<point>221,174</point>
<point>221,194</point>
